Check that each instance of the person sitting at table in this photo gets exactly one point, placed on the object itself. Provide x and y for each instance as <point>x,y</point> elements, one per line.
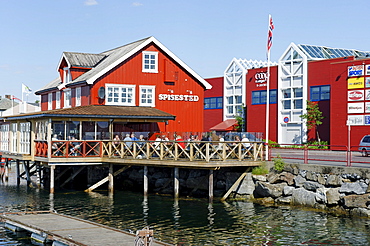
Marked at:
<point>180,142</point>
<point>56,145</point>
<point>74,150</point>
<point>128,142</point>
<point>116,143</point>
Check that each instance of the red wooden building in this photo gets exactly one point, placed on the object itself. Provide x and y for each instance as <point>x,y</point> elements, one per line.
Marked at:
<point>141,74</point>
<point>338,80</point>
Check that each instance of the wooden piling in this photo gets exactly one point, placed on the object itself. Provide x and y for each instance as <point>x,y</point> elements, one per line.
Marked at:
<point>110,178</point>
<point>176,182</point>
<point>52,174</point>
<point>210,186</point>
<point>145,180</point>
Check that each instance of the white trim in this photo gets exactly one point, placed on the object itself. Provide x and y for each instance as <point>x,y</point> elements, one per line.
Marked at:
<point>50,101</point>
<point>67,91</point>
<point>120,86</point>
<point>140,47</point>
<point>153,95</point>
<point>78,96</point>
<point>57,99</point>
<point>150,70</point>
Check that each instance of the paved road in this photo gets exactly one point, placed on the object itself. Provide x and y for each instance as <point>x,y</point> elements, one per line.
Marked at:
<point>322,157</point>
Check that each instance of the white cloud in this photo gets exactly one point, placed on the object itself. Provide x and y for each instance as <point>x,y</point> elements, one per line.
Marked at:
<point>91,2</point>
<point>137,4</point>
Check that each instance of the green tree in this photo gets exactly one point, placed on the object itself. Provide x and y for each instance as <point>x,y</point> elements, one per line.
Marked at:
<point>313,117</point>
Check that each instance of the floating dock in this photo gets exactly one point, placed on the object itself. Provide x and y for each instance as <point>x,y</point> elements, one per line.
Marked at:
<point>61,229</point>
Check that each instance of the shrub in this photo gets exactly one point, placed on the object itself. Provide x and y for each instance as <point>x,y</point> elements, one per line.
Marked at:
<point>260,170</point>
<point>279,164</point>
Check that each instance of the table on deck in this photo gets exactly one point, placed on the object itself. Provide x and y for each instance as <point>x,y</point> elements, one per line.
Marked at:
<point>71,230</point>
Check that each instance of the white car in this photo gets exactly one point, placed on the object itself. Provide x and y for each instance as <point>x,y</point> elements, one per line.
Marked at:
<point>365,145</point>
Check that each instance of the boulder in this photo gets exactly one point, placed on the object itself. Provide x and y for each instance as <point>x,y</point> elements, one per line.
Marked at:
<point>259,178</point>
<point>298,181</point>
<point>356,201</point>
<point>284,200</point>
<point>321,179</point>
<point>312,176</point>
<point>361,212</point>
<point>321,195</point>
<point>303,197</point>
<point>288,190</point>
<point>274,178</point>
<point>247,186</point>
<point>264,189</point>
<point>334,180</point>
<point>332,196</point>
<point>311,185</point>
<point>353,188</point>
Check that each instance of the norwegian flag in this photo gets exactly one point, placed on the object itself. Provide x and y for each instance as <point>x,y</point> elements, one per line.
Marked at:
<point>269,34</point>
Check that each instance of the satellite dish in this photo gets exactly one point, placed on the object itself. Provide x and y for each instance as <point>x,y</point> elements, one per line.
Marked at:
<point>101,93</point>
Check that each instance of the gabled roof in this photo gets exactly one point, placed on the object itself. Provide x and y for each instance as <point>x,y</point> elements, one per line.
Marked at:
<point>227,125</point>
<point>6,103</point>
<point>104,62</point>
<point>102,111</point>
<point>82,59</point>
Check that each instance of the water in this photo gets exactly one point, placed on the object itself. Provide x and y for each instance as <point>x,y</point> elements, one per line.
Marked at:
<point>190,221</point>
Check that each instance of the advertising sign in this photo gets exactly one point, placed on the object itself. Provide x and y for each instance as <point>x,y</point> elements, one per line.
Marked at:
<point>367,83</point>
<point>356,95</point>
<point>367,120</point>
<point>367,68</point>
<point>367,94</point>
<point>356,71</point>
<point>356,83</point>
<point>260,79</point>
<point>355,119</point>
<point>356,108</point>
<point>367,107</point>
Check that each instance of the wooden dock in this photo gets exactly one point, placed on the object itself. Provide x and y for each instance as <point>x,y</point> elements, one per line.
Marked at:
<point>67,230</point>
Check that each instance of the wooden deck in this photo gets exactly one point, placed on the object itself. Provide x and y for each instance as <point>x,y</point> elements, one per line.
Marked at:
<point>70,230</point>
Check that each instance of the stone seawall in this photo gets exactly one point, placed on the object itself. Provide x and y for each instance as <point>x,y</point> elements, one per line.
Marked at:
<point>335,189</point>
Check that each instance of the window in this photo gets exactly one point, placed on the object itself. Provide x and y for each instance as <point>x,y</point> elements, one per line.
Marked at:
<point>320,93</point>
<point>147,96</point>
<point>259,97</point>
<point>57,99</point>
<point>50,101</point>
<point>78,96</point>
<point>67,76</point>
<point>120,95</point>
<point>150,62</point>
<point>213,103</point>
<point>67,98</point>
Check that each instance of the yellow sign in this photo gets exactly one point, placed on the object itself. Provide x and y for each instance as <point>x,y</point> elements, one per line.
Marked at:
<point>355,83</point>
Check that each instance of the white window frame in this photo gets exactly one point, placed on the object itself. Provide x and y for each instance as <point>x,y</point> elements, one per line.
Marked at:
<point>150,58</point>
<point>78,96</point>
<point>67,77</point>
<point>111,89</point>
<point>57,99</point>
<point>67,98</point>
<point>145,96</point>
<point>50,101</point>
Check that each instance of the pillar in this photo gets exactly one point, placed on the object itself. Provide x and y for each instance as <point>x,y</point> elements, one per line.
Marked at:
<point>52,176</point>
<point>210,186</point>
<point>145,180</point>
<point>110,179</point>
<point>176,182</point>
<point>18,174</point>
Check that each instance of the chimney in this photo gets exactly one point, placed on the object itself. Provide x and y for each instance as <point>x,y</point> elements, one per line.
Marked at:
<point>8,96</point>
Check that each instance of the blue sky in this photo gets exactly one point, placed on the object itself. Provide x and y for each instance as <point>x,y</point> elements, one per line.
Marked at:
<point>204,34</point>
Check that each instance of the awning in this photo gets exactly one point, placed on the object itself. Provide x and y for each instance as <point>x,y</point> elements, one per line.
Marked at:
<point>227,125</point>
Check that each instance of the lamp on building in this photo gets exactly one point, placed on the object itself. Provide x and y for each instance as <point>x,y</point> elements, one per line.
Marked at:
<point>169,90</point>
<point>190,92</point>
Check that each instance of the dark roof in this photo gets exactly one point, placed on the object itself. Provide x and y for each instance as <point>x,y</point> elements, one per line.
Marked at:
<point>83,59</point>
<point>6,103</point>
<point>101,111</point>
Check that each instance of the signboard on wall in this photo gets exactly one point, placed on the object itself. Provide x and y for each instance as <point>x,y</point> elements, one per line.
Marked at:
<point>354,71</point>
<point>367,69</point>
<point>367,120</point>
<point>356,83</point>
<point>355,119</point>
<point>356,95</point>
<point>367,107</point>
<point>356,108</point>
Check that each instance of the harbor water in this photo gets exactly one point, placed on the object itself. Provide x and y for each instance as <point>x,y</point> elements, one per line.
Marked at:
<point>189,221</point>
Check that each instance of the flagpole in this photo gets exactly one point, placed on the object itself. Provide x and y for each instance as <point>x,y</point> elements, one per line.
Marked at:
<point>269,43</point>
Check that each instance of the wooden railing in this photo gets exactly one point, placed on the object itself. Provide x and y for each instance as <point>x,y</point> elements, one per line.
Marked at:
<point>162,150</point>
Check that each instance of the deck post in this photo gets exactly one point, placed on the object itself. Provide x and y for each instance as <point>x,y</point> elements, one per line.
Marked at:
<point>6,174</point>
<point>145,180</point>
<point>52,174</point>
<point>26,165</point>
<point>110,179</point>
<point>18,173</point>
<point>176,182</point>
<point>210,186</point>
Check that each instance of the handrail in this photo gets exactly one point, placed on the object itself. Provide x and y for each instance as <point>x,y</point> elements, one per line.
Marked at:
<point>163,150</point>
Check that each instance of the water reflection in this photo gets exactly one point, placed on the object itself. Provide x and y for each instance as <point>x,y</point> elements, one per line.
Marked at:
<point>192,221</point>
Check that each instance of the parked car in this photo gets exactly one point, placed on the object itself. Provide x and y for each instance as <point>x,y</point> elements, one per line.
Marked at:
<point>365,145</point>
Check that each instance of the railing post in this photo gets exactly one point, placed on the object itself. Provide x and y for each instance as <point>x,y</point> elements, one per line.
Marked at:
<point>305,155</point>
